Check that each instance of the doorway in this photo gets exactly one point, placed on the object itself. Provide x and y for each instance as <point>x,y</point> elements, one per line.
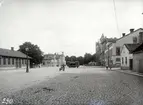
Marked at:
<point>131,64</point>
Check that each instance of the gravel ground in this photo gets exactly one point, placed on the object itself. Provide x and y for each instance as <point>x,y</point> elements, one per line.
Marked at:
<point>88,88</point>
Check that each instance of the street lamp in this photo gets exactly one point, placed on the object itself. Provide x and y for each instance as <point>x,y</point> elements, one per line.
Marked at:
<point>108,55</point>
<point>27,69</point>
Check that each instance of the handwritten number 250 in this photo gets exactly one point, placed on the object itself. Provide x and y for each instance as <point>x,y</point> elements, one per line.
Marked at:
<point>7,101</point>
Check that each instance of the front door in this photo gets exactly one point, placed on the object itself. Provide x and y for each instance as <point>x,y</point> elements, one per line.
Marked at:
<point>131,64</point>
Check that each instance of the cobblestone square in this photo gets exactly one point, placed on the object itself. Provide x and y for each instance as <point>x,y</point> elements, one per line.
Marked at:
<point>83,86</point>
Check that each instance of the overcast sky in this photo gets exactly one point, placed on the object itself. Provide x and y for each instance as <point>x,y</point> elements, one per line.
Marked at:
<point>72,26</point>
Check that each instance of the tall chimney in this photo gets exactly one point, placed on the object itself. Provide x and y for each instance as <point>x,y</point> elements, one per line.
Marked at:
<point>131,30</point>
<point>12,48</point>
<point>123,34</point>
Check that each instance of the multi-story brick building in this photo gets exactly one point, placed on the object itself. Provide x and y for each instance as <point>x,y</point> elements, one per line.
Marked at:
<point>10,59</point>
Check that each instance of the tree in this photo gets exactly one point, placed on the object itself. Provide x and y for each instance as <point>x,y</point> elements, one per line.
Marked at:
<point>81,60</point>
<point>94,57</point>
<point>67,58</point>
<point>73,58</point>
<point>33,51</point>
<point>87,58</point>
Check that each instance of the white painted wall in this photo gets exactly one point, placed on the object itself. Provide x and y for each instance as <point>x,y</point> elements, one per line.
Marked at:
<point>125,53</point>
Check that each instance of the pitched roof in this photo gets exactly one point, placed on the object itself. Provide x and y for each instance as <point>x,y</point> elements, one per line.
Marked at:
<point>130,33</point>
<point>138,49</point>
<point>131,47</point>
<point>11,53</point>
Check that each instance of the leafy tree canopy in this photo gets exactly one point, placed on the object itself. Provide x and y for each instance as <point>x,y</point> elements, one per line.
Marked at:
<point>33,51</point>
<point>82,60</point>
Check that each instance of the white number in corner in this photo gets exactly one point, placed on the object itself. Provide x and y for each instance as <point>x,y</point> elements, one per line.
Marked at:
<point>7,101</point>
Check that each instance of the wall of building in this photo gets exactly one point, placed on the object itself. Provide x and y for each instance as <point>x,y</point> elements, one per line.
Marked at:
<point>128,39</point>
<point>125,55</point>
<point>108,54</point>
<point>112,58</point>
<point>138,62</point>
<point>18,63</point>
<point>116,61</point>
<point>125,40</point>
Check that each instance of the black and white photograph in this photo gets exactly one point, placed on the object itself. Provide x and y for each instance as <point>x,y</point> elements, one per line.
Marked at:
<point>71,52</point>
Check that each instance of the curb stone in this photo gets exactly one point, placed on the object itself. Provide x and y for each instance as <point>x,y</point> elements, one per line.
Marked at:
<point>130,72</point>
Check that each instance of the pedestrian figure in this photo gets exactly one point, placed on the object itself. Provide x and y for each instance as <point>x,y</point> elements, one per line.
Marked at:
<point>62,67</point>
<point>106,67</point>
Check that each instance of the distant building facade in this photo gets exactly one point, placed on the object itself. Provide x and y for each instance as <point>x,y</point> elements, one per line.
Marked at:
<point>53,60</point>
<point>10,59</point>
<point>109,57</point>
<point>102,50</point>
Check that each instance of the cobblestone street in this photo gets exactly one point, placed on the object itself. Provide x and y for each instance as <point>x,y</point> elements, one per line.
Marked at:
<point>83,86</point>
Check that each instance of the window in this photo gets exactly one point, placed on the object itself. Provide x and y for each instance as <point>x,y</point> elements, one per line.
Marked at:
<point>9,61</point>
<point>134,39</point>
<point>25,61</point>
<point>13,61</point>
<point>122,60</point>
<point>118,59</point>
<point>126,60</point>
<point>4,61</point>
<point>118,51</point>
<point>22,61</point>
